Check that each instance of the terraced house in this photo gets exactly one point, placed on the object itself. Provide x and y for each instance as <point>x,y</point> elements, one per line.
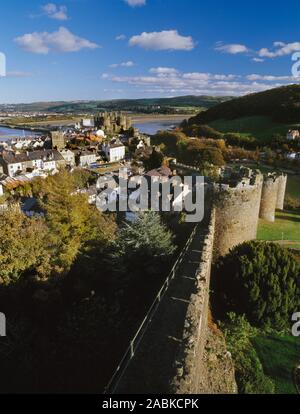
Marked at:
<point>19,163</point>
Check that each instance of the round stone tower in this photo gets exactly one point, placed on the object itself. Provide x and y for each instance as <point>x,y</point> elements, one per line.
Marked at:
<point>282,183</point>
<point>237,213</point>
<point>269,198</point>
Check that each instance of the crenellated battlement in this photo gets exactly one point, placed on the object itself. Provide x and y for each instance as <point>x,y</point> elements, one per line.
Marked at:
<point>240,199</point>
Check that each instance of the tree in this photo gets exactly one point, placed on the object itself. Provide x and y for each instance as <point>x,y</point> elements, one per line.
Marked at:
<point>155,160</point>
<point>239,140</point>
<point>144,244</point>
<point>23,247</point>
<point>202,131</point>
<point>170,139</point>
<point>199,154</point>
<point>82,178</point>
<point>259,280</point>
<point>72,221</point>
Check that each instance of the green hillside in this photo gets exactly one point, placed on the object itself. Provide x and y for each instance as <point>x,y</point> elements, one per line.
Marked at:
<point>260,127</point>
<point>153,105</point>
<point>261,115</point>
<point>281,105</point>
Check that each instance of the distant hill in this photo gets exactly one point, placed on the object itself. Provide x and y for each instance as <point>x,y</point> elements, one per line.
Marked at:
<point>153,105</point>
<point>280,105</point>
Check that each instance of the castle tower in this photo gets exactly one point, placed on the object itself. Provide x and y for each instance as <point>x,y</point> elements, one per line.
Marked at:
<point>282,183</point>
<point>269,198</point>
<point>128,123</point>
<point>237,213</point>
<point>58,140</point>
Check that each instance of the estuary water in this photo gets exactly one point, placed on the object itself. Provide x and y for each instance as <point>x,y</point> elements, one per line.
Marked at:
<point>7,133</point>
<point>151,127</point>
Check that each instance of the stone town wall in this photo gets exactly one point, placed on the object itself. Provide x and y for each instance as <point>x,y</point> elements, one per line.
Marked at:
<point>237,213</point>
<point>190,355</point>
<point>282,183</point>
<point>269,198</point>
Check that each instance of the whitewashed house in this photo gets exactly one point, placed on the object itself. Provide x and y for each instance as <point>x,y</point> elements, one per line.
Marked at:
<point>114,151</point>
<point>68,156</point>
<point>86,158</point>
<point>19,163</point>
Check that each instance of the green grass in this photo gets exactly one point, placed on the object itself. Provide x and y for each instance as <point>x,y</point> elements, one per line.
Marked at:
<point>260,127</point>
<point>279,356</point>
<point>285,228</point>
<point>293,187</point>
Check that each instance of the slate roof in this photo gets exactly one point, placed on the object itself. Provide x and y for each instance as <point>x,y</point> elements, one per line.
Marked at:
<point>48,155</point>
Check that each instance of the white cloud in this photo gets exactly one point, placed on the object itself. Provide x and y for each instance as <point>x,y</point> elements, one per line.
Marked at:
<point>18,74</point>
<point>170,81</point>
<point>199,76</point>
<point>259,60</point>
<point>60,41</point>
<point>269,78</point>
<point>135,3</point>
<point>165,40</point>
<point>55,12</point>
<point>279,49</point>
<point>163,71</point>
<point>232,49</point>
<point>121,37</point>
<point>127,64</point>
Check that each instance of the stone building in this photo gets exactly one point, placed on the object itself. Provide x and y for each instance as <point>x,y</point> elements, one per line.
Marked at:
<point>58,140</point>
<point>113,122</point>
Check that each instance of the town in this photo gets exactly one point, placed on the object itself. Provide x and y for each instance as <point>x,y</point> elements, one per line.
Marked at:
<point>149,201</point>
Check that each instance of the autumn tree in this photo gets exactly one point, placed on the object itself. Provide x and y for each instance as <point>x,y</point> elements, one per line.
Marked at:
<point>72,221</point>
<point>23,247</point>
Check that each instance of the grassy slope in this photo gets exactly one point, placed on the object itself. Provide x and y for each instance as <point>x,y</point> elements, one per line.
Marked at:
<point>260,127</point>
<point>279,357</point>
<point>286,227</point>
<point>260,114</point>
<point>293,187</point>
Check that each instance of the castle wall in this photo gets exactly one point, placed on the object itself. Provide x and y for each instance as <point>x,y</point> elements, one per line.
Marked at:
<point>190,355</point>
<point>282,183</point>
<point>237,213</point>
<point>169,357</point>
<point>269,198</point>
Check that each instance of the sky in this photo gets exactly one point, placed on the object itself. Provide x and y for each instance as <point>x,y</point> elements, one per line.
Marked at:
<point>111,49</point>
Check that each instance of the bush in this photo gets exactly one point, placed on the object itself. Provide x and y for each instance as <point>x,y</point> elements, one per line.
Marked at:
<point>260,280</point>
<point>250,376</point>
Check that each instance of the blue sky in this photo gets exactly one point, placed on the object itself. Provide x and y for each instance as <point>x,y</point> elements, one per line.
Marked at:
<point>103,49</point>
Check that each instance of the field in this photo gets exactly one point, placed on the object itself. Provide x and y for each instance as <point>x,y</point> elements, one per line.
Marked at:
<point>279,356</point>
<point>293,187</point>
<point>285,230</point>
<point>260,127</point>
